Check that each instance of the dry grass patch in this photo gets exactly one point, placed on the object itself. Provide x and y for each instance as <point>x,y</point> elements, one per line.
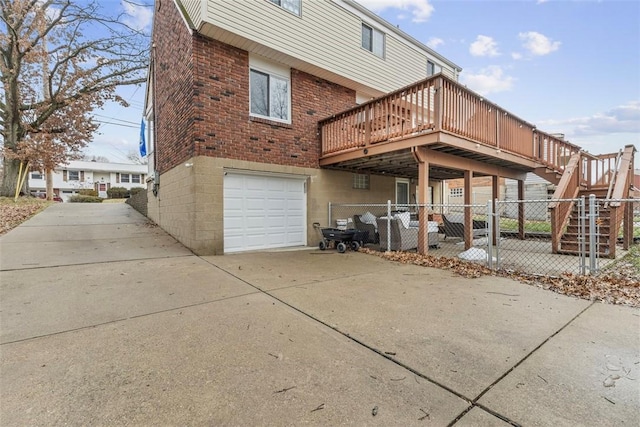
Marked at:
<point>14,213</point>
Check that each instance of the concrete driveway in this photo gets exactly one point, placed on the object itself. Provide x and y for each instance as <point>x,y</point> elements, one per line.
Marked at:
<point>106,320</point>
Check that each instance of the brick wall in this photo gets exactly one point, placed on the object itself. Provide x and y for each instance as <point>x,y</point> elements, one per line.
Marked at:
<point>202,103</point>
<point>173,87</point>
<point>223,127</point>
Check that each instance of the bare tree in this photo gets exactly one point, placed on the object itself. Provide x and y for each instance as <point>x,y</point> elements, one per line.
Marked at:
<point>93,158</point>
<point>60,60</point>
<point>135,158</point>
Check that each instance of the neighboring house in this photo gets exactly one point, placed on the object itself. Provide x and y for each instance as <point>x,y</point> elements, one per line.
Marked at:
<point>76,175</point>
<point>235,94</point>
<point>481,191</point>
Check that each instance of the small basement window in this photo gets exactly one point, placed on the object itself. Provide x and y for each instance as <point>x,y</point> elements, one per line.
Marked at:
<point>456,192</point>
<point>361,181</point>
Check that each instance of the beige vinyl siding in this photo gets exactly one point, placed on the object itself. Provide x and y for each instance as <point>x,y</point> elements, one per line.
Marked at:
<point>193,8</point>
<point>325,41</point>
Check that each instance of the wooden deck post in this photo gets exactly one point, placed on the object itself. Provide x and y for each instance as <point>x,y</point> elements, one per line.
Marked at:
<point>627,224</point>
<point>420,155</point>
<point>423,198</point>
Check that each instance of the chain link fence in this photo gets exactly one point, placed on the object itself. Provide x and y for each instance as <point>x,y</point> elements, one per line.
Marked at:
<point>517,236</point>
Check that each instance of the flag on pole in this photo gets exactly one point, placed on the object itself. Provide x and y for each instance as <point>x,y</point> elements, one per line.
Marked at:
<point>143,143</point>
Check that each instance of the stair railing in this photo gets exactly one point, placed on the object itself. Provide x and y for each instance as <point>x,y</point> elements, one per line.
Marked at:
<point>614,178</point>
<point>617,199</point>
<point>567,188</point>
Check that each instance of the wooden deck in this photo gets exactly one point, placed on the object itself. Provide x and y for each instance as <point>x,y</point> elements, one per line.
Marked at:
<point>444,116</point>
<point>438,129</point>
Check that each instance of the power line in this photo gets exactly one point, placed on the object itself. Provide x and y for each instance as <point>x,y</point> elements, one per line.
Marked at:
<point>118,124</point>
<point>115,118</point>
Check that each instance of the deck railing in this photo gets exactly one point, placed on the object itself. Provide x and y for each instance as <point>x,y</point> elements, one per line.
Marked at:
<point>440,104</point>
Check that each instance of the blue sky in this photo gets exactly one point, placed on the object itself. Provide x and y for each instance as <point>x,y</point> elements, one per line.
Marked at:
<point>568,66</point>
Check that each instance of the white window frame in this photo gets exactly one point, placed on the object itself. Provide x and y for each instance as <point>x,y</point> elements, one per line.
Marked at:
<point>408,183</point>
<point>127,180</point>
<point>377,41</point>
<point>272,71</point>
<point>433,68</point>
<point>292,6</point>
<point>37,175</point>
<point>135,178</point>
<point>76,173</point>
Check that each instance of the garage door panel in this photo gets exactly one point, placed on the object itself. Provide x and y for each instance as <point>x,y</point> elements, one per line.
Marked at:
<point>263,212</point>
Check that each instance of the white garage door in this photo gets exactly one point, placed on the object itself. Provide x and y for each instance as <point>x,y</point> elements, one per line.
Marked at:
<point>262,212</point>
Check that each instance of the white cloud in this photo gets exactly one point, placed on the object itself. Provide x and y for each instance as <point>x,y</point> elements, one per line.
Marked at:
<point>434,42</point>
<point>137,17</point>
<point>489,80</point>
<point>484,46</point>
<point>538,44</point>
<point>516,55</point>
<point>420,10</point>
<point>622,119</point>
<point>541,1</point>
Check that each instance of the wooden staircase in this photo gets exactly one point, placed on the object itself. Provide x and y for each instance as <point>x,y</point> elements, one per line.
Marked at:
<point>577,227</point>
<point>608,178</point>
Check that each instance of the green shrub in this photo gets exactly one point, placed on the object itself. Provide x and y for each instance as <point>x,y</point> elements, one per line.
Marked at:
<point>84,199</point>
<point>88,192</point>
<point>118,193</point>
<point>136,190</point>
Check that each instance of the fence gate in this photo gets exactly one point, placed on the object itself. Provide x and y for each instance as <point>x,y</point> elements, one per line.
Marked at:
<point>524,241</point>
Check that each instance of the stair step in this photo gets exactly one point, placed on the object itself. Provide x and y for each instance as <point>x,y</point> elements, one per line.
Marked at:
<point>573,238</point>
<point>572,252</point>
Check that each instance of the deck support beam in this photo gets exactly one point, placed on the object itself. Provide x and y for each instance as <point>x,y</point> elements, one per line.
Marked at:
<point>423,199</point>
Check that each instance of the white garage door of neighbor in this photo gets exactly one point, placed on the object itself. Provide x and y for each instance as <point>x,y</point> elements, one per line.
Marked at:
<point>262,212</point>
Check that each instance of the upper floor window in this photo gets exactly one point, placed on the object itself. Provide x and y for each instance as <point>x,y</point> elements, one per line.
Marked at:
<point>432,68</point>
<point>270,96</point>
<point>74,176</point>
<point>124,177</point>
<point>293,6</point>
<point>36,175</point>
<point>373,40</point>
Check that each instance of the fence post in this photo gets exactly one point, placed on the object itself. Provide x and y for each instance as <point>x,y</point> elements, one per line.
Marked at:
<point>593,247</point>
<point>497,224</point>
<point>490,234</point>
<point>329,219</point>
<point>582,235</point>
<point>388,225</point>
